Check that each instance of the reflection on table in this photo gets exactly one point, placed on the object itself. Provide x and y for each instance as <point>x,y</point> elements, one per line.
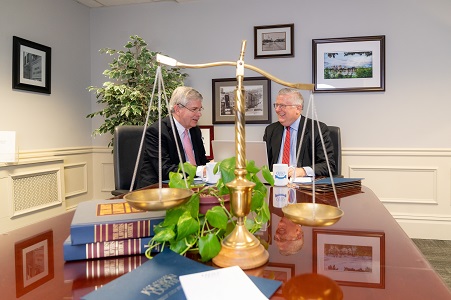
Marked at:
<point>366,252</point>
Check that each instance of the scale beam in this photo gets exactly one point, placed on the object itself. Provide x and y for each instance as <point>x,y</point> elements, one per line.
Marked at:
<point>174,63</point>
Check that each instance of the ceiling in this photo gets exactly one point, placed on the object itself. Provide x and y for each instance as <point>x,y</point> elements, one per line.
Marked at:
<point>103,3</point>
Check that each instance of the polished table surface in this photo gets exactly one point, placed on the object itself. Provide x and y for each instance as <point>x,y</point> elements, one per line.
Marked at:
<point>406,273</point>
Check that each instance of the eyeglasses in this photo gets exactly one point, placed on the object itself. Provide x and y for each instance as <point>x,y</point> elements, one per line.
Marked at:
<point>283,106</point>
<point>194,110</point>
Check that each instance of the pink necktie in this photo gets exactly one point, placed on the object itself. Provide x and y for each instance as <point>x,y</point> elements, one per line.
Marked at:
<point>286,148</point>
<point>188,148</point>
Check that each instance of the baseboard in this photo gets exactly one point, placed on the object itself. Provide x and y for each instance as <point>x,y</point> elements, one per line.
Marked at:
<point>426,227</point>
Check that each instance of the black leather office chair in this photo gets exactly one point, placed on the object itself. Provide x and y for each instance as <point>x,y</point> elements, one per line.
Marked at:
<point>125,151</point>
<point>335,136</point>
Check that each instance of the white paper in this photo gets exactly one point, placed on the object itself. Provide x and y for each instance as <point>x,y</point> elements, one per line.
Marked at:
<point>220,284</point>
<point>7,146</point>
<point>302,180</point>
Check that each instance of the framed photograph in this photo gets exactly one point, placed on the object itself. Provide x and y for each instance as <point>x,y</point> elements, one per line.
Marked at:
<point>354,64</point>
<point>258,100</point>
<point>34,262</point>
<point>208,135</point>
<point>274,41</point>
<point>353,258</point>
<point>31,66</point>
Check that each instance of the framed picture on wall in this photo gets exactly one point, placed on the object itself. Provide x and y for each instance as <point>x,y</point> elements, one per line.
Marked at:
<point>354,64</point>
<point>208,135</point>
<point>274,41</point>
<point>31,66</point>
<point>257,97</point>
<point>353,258</point>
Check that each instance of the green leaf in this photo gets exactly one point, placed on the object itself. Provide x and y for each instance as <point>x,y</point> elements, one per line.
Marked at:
<point>172,216</point>
<point>209,247</point>
<point>216,217</point>
<point>267,175</point>
<point>179,246</point>
<point>164,235</point>
<point>186,225</point>
<point>257,200</point>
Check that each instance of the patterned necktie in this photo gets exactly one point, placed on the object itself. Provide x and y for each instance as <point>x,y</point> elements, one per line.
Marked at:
<point>188,148</point>
<point>286,147</point>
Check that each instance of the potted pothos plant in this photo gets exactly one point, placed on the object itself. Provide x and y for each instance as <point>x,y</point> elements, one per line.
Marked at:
<point>185,229</point>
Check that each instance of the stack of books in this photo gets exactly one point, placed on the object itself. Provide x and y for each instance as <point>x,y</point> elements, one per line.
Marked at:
<point>109,228</point>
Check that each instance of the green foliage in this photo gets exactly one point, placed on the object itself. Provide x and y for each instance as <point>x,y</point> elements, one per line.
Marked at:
<point>126,97</point>
<point>185,229</point>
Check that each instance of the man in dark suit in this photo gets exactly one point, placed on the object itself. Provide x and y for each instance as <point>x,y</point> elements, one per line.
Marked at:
<point>186,108</point>
<point>289,104</point>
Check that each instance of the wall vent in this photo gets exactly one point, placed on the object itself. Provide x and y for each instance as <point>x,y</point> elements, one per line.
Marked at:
<point>36,191</point>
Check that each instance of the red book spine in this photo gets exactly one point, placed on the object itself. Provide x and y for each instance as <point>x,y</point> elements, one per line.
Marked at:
<point>120,231</point>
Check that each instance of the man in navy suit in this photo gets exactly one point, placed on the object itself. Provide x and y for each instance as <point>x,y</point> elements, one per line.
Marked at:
<point>186,108</point>
<point>289,104</point>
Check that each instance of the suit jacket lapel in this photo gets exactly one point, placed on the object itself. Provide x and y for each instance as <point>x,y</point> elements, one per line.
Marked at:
<point>168,123</point>
<point>278,134</point>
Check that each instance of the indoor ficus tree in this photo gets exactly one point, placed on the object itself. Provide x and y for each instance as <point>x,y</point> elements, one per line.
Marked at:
<point>126,97</point>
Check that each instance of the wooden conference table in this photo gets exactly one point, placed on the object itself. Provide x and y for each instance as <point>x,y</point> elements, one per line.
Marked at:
<point>398,269</point>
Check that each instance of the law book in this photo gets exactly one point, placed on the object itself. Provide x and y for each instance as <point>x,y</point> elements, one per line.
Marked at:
<point>105,249</point>
<point>110,220</point>
<point>158,279</point>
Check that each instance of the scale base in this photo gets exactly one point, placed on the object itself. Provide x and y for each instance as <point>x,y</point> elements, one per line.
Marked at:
<point>243,249</point>
<point>246,258</point>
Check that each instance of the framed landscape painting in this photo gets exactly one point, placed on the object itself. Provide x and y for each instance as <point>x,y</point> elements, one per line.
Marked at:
<point>353,258</point>
<point>354,64</point>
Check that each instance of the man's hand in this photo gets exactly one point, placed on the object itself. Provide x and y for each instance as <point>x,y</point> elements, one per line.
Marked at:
<point>300,172</point>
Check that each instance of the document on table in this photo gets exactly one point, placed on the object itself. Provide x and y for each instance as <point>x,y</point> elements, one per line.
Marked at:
<point>226,283</point>
<point>305,179</point>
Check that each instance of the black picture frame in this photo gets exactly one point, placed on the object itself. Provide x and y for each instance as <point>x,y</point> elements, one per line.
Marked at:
<point>31,66</point>
<point>271,41</point>
<point>258,100</point>
<point>335,70</point>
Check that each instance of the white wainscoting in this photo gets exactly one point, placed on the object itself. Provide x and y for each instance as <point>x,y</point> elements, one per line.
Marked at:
<point>413,184</point>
